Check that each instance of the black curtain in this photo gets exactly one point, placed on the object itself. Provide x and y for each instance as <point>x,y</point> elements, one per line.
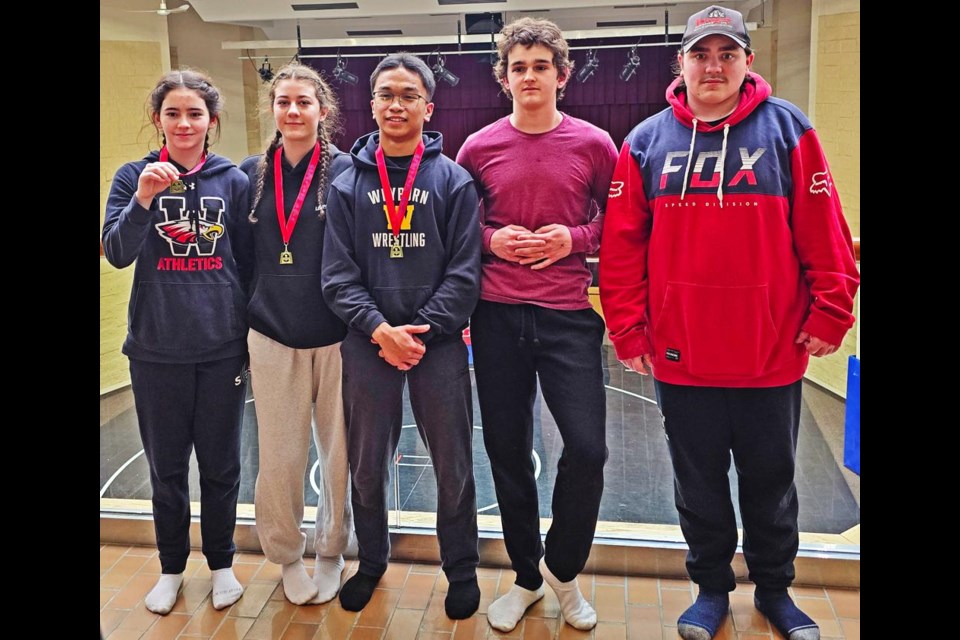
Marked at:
<point>604,100</point>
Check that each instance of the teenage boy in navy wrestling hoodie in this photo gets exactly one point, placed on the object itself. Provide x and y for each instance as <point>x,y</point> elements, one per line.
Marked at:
<point>401,266</point>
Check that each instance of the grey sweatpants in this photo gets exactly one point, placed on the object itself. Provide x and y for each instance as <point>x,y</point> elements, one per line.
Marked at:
<point>291,386</point>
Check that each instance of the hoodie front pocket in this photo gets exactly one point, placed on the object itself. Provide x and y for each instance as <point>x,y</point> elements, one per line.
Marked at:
<point>291,306</point>
<point>715,331</point>
<point>177,316</point>
<point>399,305</point>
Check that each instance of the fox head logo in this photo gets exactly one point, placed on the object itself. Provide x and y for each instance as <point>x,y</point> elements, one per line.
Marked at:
<point>821,183</point>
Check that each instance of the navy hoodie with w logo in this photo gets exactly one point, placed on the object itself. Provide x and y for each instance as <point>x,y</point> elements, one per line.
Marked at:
<point>186,303</point>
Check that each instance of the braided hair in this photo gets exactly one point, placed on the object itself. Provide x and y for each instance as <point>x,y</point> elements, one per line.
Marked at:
<point>327,100</point>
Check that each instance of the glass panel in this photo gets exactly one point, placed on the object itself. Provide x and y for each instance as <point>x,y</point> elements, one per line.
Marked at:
<point>638,476</point>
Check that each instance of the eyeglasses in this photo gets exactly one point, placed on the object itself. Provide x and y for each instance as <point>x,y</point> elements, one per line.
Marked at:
<point>406,99</point>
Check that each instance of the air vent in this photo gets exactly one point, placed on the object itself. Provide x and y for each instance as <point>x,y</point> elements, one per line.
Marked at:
<point>326,6</point>
<point>626,23</point>
<point>376,32</point>
<point>445,3</point>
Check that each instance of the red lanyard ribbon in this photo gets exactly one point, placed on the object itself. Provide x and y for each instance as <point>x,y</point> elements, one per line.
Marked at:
<point>395,213</point>
<point>165,157</point>
<point>287,224</point>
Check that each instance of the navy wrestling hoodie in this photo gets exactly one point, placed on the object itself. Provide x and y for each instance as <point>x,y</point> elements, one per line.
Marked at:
<point>437,279</point>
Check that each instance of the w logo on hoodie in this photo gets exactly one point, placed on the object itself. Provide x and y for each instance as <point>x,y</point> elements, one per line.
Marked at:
<point>407,217</point>
<point>185,230</point>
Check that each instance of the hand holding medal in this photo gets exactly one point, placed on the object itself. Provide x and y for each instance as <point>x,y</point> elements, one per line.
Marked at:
<point>155,179</point>
<point>158,176</point>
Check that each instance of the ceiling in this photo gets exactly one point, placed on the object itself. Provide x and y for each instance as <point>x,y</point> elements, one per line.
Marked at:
<point>359,22</point>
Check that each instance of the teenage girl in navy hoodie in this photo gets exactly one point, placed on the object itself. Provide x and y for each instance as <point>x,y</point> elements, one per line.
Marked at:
<point>173,213</point>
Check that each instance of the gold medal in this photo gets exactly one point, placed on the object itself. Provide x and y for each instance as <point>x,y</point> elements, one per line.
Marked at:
<point>396,251</point>
<point>177,186</point>
<point>285,256</point>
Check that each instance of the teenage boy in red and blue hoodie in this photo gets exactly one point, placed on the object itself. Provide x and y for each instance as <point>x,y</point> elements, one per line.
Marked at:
<point>401,266</point>
<point>725,264</point>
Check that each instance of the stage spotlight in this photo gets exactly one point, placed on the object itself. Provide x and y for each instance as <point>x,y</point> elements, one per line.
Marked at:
<point>266,71</point>
<point>442,73</point>
<point>629,69</point>
<point>341,74</point>
<point>589,67</point>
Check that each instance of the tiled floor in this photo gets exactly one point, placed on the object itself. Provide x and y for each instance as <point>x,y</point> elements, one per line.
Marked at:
<point>409,606</point>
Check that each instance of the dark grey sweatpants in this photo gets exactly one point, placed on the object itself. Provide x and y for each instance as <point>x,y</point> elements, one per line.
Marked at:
<point>443,408</point>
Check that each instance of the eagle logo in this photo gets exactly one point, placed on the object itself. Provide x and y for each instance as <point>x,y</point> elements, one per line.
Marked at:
<point>182,234</point>
<point>182,231</point>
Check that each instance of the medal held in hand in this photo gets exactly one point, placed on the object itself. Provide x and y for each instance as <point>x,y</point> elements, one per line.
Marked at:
<point>179,186</point>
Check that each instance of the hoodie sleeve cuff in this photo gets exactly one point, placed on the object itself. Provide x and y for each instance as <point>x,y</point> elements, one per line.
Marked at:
<point>631,344</point>
<point>825,328</point>
<point>137,214</point>
<point>369,323</point>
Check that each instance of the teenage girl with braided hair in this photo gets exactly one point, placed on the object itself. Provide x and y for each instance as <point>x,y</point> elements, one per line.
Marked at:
<point>294,338</point>
<point>175,213</point>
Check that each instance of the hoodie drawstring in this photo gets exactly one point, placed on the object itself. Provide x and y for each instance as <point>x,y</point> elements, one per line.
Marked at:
<point>723,157</point>
<point>686,172</point>
<point>720,162</point>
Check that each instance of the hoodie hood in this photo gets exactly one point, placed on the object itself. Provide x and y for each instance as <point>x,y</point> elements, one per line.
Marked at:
<point>755,90</point>
<point>364,150</point>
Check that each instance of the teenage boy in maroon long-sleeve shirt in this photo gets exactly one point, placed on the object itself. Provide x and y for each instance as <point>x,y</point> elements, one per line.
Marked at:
<point>540,174</point>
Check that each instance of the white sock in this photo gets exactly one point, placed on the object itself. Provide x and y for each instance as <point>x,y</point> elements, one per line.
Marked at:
<point>505,612</point>
<point>226,588</point>
<point>162,597</point>
<point>326,576</point>
<point>575,609</point>
<point>297,585</point>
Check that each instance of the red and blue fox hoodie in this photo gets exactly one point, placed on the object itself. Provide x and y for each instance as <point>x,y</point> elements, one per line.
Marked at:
<point>724,241</point>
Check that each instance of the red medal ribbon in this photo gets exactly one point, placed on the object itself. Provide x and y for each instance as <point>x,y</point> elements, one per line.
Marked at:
<point>397,213</point>
<point>165,157</point>
<point>287,225</point>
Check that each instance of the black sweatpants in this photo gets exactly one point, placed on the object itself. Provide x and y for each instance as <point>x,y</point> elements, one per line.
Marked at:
<point>512,345</point>
<point>184,407</point>
<point>759,425</point>
<point>443,408</point>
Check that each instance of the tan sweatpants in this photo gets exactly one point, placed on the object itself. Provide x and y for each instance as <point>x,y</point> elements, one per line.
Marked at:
<point>288,386</point>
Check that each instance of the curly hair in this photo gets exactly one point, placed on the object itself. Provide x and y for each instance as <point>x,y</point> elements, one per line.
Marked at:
<point>529,32</point>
